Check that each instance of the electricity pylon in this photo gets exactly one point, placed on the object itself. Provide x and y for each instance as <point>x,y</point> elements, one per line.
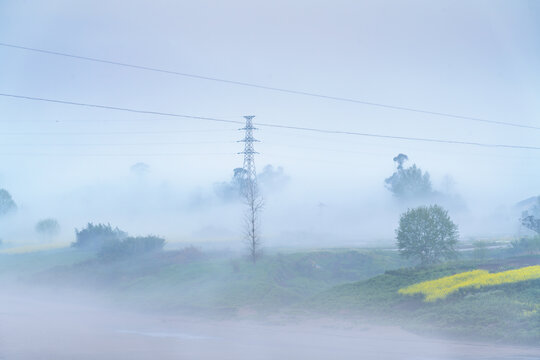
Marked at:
<point>249,176</point>
<point>250,192</point>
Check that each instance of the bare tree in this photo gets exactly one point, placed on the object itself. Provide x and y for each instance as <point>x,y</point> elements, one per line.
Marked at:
<point>254,202</point>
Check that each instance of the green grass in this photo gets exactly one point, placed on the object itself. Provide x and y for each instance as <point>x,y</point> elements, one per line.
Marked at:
<point>18,264</point>
<point>221,283</point>
<point>336,282</point>
<point>507,312</point>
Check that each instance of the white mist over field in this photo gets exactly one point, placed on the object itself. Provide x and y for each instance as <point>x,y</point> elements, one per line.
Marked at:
<point>73,163</point>
<point>298,211</point>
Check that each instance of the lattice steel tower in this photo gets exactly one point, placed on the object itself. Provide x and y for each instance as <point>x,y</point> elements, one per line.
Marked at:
<point>250,174</point>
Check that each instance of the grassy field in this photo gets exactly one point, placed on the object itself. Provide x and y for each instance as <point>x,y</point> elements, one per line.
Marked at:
<point>216,282</point>
<point>28,261</point>
<point>350,283</point>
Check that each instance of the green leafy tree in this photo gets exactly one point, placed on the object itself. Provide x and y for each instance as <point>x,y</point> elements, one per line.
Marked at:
<point>427,234</point>
<point>408,183</point>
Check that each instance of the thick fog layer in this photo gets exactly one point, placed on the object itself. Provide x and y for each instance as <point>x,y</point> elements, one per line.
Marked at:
<point>76,164</point>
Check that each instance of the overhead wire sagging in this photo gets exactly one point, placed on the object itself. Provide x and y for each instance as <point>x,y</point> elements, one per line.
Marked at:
<point>275,89</point>
<point>290,127</point>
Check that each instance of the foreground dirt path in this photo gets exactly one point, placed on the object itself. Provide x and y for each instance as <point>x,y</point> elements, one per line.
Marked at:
<point>35,327</point>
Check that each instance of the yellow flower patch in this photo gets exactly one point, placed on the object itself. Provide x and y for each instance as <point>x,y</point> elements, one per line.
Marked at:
<point>441,288</point>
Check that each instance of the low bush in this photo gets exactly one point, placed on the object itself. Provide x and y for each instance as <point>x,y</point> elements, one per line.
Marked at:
<point>130,246</point>
<point>94,237</point>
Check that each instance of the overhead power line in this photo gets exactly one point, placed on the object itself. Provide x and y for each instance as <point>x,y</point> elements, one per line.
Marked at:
<point>123,144</point>
<point>71,120</point>
<point>107,132</point>
<point>120,108</point>
<point>443,141</point>
<point>41,154</point>
<point>272,88</point>
<point>300,128</point>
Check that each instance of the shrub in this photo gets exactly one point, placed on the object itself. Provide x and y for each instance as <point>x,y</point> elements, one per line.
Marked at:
<point>94,237</point>
<point>130,246</point>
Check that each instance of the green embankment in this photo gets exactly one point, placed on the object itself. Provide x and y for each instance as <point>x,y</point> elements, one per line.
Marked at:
<point>220,283</point>
<point>506,312</point>
<point>351,283</point>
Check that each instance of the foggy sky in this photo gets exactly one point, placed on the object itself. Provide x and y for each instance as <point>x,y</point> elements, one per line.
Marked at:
<point>472,58</point>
